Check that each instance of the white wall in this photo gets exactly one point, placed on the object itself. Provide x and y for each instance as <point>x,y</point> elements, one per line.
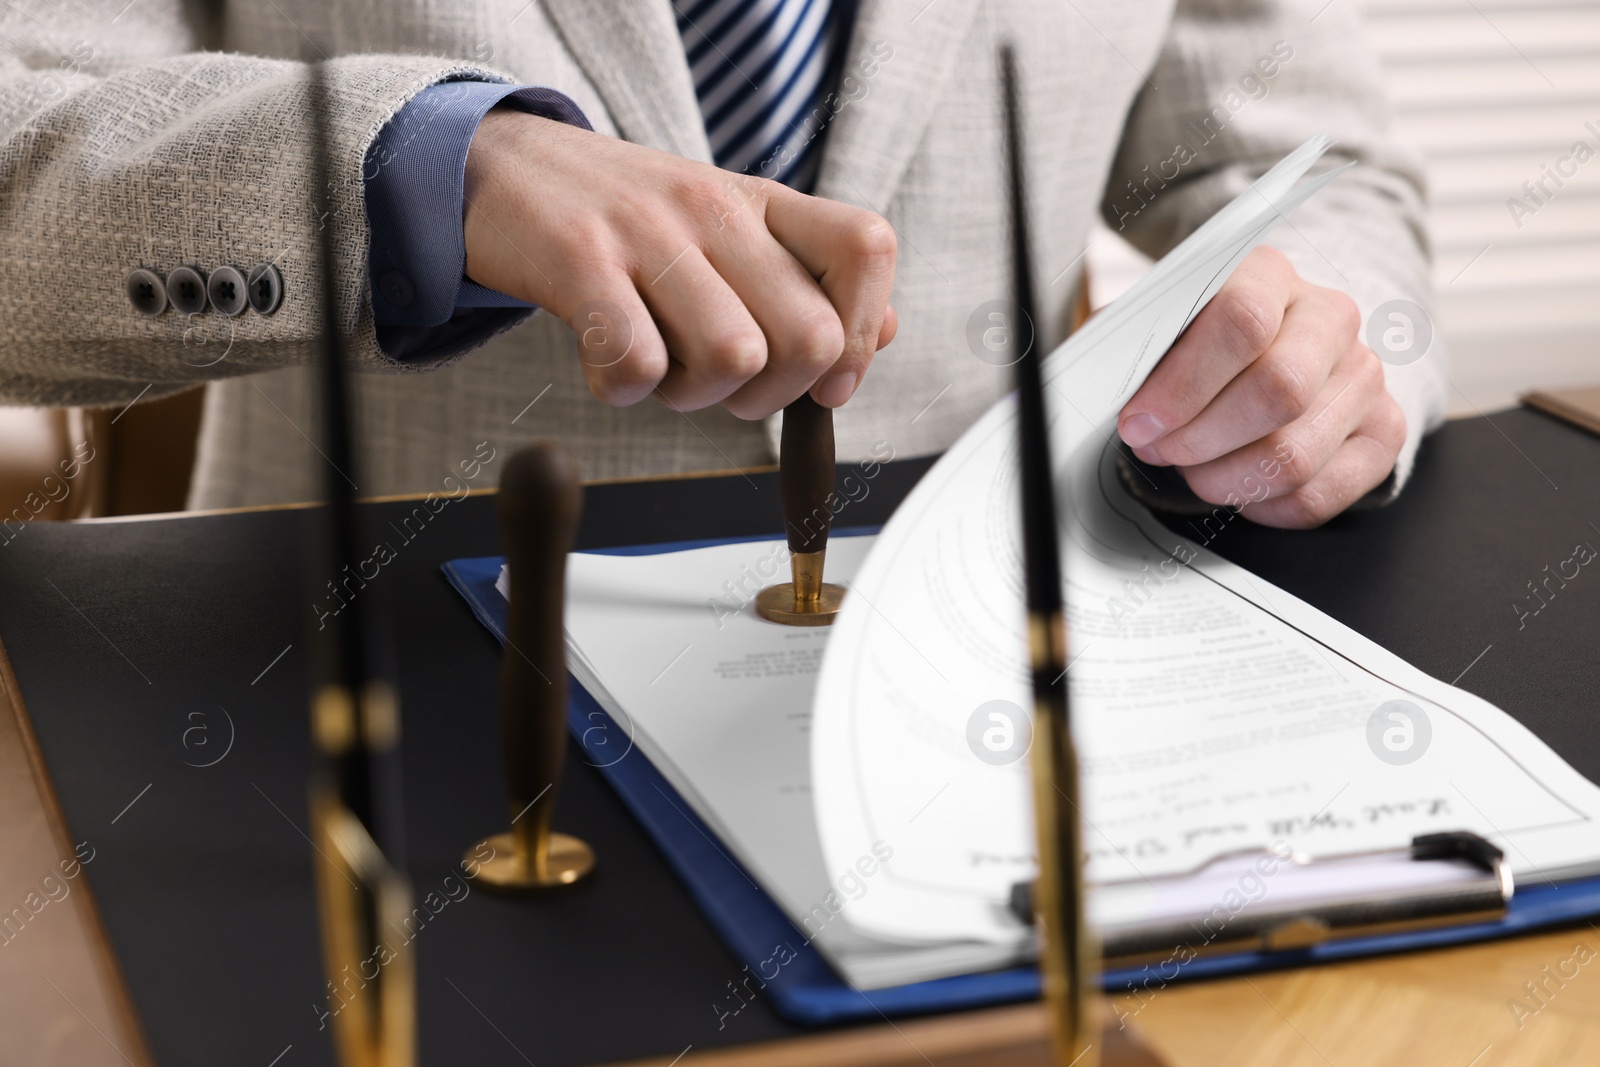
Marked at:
<point>1492,91</point>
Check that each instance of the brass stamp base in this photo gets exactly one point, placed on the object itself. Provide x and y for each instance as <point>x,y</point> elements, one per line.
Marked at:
<point>776,603</point>
<point>511,869</point>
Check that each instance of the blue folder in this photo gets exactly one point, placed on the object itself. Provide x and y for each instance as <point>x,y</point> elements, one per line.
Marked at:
<point>788,969</point>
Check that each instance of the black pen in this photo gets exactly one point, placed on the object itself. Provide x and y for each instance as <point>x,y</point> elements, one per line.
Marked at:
<point>357,831</point>
<point>1065,952</point>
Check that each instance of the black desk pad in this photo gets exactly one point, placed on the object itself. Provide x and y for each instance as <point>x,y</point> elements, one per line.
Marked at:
<point>147,653</point>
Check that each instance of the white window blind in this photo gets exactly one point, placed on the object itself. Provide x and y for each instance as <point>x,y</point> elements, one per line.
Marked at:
<point>1496,94</point>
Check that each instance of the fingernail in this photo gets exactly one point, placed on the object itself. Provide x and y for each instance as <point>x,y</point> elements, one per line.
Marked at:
<point>835,390</point>
<point>1141,429</point>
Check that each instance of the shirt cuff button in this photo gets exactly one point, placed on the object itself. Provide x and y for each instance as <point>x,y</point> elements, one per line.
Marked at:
<point>397,289</point>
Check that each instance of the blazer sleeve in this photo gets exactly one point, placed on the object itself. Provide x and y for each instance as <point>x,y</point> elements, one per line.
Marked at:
<point>126,153</point>
<point>1235,88</point>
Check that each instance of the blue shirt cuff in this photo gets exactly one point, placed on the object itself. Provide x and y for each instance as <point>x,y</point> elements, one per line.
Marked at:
<point>414,175</point>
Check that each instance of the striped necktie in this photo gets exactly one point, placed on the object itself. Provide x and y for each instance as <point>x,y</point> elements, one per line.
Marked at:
<point>760,69</point>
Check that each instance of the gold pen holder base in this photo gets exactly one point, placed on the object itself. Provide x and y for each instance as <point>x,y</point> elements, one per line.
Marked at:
<point>567,861</point>
<point>777,603</point>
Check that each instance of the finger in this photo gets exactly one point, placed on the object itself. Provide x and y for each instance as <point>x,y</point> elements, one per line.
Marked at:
<point>1318,330</point>
<point>891,326</point>
<point>1289,457</point>
<point>1360,465</point>
<point>803,334</point>
<point>1225,338</point>
<point>713,343</point>
<point>851,253</point>
<point>623,355</point>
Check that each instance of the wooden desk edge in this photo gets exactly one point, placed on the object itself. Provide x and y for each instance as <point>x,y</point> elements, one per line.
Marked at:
<point>1012,1036</point>
<point>104,963</point>
<point>398,498</point>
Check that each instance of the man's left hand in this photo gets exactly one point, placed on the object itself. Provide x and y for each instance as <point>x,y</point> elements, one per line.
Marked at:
<point>1270,402</point>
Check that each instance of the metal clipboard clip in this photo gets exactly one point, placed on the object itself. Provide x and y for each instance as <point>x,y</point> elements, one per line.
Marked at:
<point>1277,900</point>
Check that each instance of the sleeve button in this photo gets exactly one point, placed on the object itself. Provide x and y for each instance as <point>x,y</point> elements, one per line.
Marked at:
<point>186,288</point>
<point>147,292</point>
<point>265,288</point>
<point>226,287</point>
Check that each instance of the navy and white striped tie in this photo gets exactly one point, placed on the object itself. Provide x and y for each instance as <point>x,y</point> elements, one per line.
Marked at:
<point>759,69</point>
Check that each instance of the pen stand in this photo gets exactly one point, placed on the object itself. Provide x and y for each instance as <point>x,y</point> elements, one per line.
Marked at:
<point>540,501</point>
<point>805,477</point>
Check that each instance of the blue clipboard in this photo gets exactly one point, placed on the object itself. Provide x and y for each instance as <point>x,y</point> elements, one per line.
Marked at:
<point>777,954</point>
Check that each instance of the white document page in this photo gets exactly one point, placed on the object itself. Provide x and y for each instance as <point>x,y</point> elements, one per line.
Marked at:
<point>1213,712</point>
<point>719,700</point>
<point>702,685</point>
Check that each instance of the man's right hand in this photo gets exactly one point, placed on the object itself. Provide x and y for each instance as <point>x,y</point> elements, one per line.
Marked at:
<point>729,289</point>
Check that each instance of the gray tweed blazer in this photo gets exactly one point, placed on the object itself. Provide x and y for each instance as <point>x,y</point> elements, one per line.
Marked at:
<point>163,132</point>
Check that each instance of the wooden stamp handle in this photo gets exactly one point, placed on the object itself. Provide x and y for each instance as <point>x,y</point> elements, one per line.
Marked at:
<point>540,502</point>
<point>805,473</point>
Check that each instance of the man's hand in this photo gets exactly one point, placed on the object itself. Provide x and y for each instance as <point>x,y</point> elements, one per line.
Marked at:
<point>1270,400</point>
<point>681,279</point>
